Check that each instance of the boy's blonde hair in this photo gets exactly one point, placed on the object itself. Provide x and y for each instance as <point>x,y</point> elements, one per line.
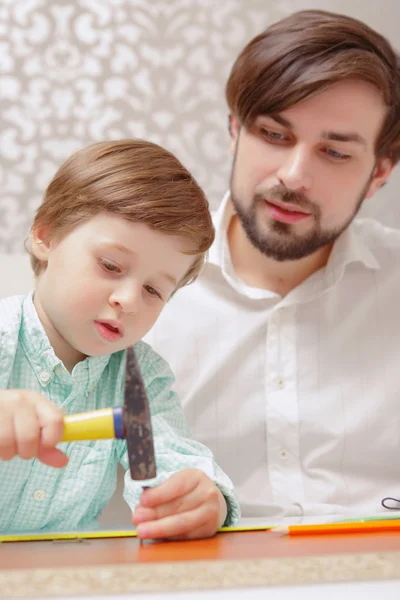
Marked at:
<point>136,179</point>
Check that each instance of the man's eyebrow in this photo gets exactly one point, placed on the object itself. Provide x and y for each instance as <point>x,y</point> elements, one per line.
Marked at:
<point>281,120</point>
<point>344,137</point>
<point>326,135</point>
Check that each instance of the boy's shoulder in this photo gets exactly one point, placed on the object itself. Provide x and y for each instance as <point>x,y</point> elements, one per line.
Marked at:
<point>151,364</point>
<point>10,313</point>
<point>10,325</point>
<point>143,351</point>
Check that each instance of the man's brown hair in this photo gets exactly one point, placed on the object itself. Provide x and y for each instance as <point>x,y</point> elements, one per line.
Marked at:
<point>305,53</point>
<point>138,180</point>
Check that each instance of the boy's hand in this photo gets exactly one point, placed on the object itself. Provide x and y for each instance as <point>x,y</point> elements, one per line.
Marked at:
<point>186,506</point>
<point>30,426</point>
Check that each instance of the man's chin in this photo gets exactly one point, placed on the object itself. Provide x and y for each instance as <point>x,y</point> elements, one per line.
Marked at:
<point>275,248</point>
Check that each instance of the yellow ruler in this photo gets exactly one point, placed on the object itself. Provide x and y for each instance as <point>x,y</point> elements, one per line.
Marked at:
<point>90,535</point>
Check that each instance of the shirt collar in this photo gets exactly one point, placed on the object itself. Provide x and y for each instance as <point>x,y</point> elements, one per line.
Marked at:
<point>43,359</point>
<point>349,248</point>
<point>221,219</point>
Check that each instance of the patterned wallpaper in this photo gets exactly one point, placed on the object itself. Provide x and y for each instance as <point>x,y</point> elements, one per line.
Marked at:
<point>79,71</point>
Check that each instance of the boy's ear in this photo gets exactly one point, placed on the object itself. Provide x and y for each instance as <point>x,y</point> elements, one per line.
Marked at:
<point>40,242</point>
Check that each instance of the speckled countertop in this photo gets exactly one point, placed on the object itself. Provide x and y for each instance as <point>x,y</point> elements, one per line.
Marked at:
<point>177,576</point>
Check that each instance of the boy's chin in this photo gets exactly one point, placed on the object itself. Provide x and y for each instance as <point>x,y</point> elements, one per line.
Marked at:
<point>106,350</point>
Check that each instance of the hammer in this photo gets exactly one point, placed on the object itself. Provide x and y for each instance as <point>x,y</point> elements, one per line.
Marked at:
<point>131,422</point>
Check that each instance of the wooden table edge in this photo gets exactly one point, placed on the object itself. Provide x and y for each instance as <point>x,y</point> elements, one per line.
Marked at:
<point>198,575</point>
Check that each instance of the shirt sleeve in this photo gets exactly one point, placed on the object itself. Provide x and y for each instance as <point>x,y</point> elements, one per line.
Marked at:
<point>174,446</point>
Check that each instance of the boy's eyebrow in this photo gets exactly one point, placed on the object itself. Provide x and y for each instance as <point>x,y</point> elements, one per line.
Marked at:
<point>326,135</point>
<point>119,247</point>
<point>170,278</point>
<point>126,250</point>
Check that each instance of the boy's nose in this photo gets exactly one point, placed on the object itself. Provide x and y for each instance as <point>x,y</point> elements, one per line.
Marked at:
<point>126,299</point>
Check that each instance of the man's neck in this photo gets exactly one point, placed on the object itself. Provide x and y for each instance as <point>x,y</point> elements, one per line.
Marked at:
<point>258,270</point>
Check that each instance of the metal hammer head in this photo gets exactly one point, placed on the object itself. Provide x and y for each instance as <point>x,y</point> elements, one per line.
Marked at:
<point>137,422</point>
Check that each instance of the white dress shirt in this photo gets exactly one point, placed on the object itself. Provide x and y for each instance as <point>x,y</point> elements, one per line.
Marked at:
<point>298,397</point>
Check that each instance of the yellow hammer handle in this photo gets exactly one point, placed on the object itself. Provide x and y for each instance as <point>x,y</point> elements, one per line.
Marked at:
<point>93,425</point>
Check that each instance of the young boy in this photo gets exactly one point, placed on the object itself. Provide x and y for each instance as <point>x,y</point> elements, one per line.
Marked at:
<point>122,226</point>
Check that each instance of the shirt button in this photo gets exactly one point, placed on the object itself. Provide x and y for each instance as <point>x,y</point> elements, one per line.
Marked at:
<point>44,376</point>
<point>39,495</point>
<point>281,383</point>
<point>283,454</point>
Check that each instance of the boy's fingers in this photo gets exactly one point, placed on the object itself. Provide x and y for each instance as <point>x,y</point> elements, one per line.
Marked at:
<point>178,485</point>
<point>27,432</point>
<point>182,504</point>
<point>30,426</point>
<point>51,420</point>
<point>141,515</point>
<point>8,447</point>
<point>184,525</point>
<point>52,457</point>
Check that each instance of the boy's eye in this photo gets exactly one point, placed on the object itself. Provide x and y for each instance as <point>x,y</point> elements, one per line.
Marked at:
<point>109,266</point>
<point>150,290</point>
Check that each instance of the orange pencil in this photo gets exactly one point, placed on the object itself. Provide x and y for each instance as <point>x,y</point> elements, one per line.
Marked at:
<point>343,527</point>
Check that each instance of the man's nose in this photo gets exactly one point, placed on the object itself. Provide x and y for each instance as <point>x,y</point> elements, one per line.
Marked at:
<point>295,170</point>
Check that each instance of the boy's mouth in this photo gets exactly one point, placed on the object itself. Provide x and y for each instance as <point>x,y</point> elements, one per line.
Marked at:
<point>110,331</point>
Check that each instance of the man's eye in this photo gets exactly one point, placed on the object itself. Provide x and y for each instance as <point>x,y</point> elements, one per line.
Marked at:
<point>150,290</point>
<point>337,155</point>
<point>273,135</point>
<point>109,267</point>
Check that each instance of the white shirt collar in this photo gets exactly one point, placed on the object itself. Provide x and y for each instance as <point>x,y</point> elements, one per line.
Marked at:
<point>221,219</point>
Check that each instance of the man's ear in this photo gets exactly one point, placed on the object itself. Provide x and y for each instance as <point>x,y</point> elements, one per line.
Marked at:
<point>40,242</point>
<point>382,171</point>
<point>234,128</point>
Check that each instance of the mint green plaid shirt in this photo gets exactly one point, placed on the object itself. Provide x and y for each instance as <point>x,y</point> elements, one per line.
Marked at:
<point>37,497</point>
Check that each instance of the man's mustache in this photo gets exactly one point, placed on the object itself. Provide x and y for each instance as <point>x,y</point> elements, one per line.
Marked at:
<point>284,195</point>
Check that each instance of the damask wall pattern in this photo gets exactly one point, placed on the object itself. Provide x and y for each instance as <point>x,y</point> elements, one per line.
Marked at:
<point>75,72</point>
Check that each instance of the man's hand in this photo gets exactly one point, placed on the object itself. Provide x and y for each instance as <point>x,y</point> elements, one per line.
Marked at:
<point>186,506</point>
<point>30,427</point>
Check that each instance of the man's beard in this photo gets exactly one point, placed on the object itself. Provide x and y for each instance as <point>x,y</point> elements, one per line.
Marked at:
<point>281,242</point>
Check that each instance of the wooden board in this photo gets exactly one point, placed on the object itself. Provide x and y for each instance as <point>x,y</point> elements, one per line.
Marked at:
<point>224,546</point>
